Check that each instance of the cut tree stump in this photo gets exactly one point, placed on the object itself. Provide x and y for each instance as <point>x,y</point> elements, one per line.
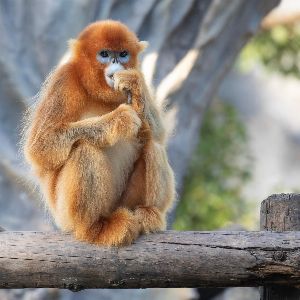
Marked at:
<point>280,213</point>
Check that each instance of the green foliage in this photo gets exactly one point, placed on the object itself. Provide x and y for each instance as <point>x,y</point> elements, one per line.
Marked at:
<point>276,48</point>
<point>212,196</point>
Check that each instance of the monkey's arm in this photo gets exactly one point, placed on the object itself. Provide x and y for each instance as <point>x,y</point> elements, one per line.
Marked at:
<point>106,130</point>
<point>49,146</point>
<point>133,81</point>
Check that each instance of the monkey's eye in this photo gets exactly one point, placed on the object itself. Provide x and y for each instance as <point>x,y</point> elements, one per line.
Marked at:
<point>124,57</point>
<point>103,53</point>
<point>123,54</point>
<point>103,57</point>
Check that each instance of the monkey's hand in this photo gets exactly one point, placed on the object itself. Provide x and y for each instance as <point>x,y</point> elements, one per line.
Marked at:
<point>127,120</point>
<point>131,82</point>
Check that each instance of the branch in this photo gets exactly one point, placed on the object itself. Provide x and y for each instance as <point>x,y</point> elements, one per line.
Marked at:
<point>167,259</point>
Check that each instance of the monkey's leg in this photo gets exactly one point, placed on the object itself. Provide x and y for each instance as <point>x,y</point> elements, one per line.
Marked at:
<point>159,188</point>
<point>150,190</point>
<point>135,188</point>
<point>87,200</point>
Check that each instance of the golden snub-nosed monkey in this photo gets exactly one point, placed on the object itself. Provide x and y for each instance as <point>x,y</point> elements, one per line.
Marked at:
<point>97,144</point>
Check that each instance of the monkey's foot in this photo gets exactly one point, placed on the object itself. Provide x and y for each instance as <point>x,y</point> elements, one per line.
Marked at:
<point>120,229</point>
<point>150,219</point>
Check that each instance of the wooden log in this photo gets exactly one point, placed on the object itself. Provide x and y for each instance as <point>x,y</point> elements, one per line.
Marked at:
<point>167,259</point>
<point>280,213</point>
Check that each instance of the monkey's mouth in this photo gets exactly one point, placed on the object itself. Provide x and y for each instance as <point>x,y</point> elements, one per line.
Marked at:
<point>110,71</point>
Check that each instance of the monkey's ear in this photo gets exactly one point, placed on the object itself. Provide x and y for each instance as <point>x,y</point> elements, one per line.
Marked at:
<point>143,45</point>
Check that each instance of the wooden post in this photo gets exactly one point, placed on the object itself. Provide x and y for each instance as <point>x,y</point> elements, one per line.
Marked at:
<point>280,213</point>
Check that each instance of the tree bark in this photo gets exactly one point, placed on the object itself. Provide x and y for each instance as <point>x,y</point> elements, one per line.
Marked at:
<point>167,259</point>
<point>280,213</point>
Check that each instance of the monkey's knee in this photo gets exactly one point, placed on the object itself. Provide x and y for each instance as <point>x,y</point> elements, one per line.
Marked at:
<point>82,188</point>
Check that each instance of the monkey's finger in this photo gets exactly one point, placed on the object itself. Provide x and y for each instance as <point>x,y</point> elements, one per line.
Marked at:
<point>129,98</point>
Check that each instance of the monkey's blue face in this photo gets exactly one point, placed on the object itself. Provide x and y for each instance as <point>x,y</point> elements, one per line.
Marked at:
<point>114,61</point>
<point>107,56</point>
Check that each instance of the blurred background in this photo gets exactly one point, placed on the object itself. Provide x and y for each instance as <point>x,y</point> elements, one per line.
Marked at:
<point>227,72</point>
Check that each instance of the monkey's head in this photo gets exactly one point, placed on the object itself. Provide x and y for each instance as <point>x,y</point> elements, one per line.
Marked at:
<point>102,49</point>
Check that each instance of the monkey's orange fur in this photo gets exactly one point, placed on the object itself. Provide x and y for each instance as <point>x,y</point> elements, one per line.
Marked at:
<point>102,163</point>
